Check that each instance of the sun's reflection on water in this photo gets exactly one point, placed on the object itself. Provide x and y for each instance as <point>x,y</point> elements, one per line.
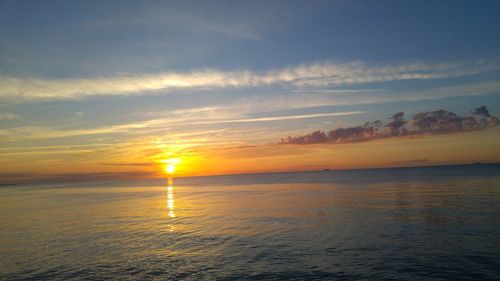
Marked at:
<point>170,198</point>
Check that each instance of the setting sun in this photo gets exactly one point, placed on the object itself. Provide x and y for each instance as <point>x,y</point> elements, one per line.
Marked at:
<point>170,165</point>
<point>170,169</point>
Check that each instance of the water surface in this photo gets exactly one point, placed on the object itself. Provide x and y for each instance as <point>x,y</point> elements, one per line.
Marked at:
<point>439,223</point>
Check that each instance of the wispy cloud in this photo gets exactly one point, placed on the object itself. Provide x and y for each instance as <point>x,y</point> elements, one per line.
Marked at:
<point>150,126</point>
<point>39,132</point>
<point>238,110</point>
<point>8,116</point>
<point>300,77</point>
<point>238,23</point>
<point>354,97</point>
<point>339,91</point>
<point>278,118</point>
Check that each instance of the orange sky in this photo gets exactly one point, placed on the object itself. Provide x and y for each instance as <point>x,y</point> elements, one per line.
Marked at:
<point>478,146</point>
<point>398,151</point>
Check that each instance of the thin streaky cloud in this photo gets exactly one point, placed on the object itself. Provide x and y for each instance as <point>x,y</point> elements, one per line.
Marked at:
<point>302,77</point>
<point>185,21</point>
<point>32,133</point>
<point>338,91</point>
<point>189,116</point>
<point>8,116</point>
<point>412,161</point>
<point>268,103</point>
<point>321,99</point>
<point>128,164</point>
<point>278,118</point>
<point>48,152</point>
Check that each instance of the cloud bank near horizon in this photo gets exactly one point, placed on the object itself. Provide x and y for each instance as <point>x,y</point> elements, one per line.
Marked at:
<point>305,76</point>
<point>435,122</point>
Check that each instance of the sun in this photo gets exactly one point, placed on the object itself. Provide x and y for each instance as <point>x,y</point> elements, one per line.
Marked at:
<point>170,168</point>
<point>170,165</point>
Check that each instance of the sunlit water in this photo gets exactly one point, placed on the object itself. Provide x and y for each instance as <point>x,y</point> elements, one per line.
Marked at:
<point>419,224</point>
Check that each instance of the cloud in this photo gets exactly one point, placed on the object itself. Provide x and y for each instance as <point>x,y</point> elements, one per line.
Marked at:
<point>396,124</point>
<point>17,178</point>
<point>481,111</point>
<point>176,119</point>
<point>413,161</point>
<point>314,98</point>
<point>424,123</point>
<point>128,164</point>
<point>304,77</point>
<point>8,116</point>
<point>277,118</point>
<point>205,19</point>
<point>35,132</point>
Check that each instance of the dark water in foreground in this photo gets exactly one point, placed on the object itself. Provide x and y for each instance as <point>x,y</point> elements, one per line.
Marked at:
<point>438,223</point>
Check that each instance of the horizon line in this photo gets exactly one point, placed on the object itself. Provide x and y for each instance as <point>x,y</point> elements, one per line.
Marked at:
<point>12,184</point>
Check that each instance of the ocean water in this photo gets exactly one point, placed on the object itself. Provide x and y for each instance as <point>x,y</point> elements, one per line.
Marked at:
<point>436,223</point>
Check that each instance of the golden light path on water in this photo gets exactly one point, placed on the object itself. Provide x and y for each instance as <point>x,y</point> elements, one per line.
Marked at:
<point>170,198</point>
<point>170,169</point>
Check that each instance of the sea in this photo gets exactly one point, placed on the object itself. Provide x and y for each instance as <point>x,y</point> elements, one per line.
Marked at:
<point>426,223</point>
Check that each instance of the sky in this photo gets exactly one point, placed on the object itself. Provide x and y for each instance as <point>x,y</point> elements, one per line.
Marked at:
<point>120,89</point>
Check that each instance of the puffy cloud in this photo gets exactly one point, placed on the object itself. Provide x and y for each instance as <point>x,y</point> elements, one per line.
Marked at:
<point>440,121</point>
<point>314,137</point>
<point>433,122</point>
<point>359,133</point>
<point>443,121</point>
<point>481,111</point>
<point>397,123</point>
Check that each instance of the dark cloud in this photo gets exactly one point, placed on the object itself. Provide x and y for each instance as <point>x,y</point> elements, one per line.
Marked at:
<point>314,137</point>
<point>397,123</point>
<point>35,178</point>
<point>128,164</point>
<point>424,123</point>
<point>439,121</point>
<point>413,161</point>
<point>481,111</point>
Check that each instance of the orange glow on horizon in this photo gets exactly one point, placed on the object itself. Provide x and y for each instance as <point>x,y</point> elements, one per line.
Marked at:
<point>467,147</point>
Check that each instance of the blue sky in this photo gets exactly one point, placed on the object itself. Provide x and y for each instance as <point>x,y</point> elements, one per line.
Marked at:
<point>88,38</point>
<point>98,73</point>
